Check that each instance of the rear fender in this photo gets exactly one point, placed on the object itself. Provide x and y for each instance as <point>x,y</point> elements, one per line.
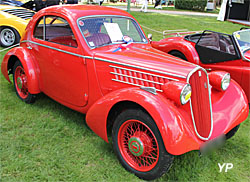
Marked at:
<point>178,44</point>
<point>176,135</point>
<point>30,68</point>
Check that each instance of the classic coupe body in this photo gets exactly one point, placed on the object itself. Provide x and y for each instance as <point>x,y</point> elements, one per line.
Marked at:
<point>13,21</point>
<point>97,60</point>
<point>214,51</point>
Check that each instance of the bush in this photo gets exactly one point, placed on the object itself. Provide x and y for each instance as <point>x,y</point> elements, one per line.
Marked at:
<point>197,5</point>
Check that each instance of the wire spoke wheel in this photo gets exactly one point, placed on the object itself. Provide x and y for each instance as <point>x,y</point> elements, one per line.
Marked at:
<point>138,145</point>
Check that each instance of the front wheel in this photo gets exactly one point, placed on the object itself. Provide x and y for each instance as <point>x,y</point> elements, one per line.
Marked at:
<point>138,145</point>
<point>232,132</point>
<point>21,85</point>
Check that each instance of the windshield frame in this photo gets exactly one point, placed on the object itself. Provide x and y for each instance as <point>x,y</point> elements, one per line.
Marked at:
<point>236,40</point>
<point>110,16</point>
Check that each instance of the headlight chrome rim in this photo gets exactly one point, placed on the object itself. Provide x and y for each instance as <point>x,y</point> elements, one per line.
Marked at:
<point>225,81</point>
<point>185,94</point>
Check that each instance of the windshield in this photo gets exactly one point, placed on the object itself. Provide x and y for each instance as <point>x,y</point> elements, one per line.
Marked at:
<point>243,39</point>
<point>105,30</point>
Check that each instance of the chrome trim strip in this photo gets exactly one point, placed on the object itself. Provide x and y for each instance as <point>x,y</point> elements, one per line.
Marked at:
<point>60,50</point>
<point>144,73</point>
<point>133,84</point>
<point>141,79</point>
<point>138,67</point>
<point>109,61</point>
<point>210,103</point>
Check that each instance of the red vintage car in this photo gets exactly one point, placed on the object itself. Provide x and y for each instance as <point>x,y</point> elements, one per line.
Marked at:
<point>97,60</point>
<point>214,51</point>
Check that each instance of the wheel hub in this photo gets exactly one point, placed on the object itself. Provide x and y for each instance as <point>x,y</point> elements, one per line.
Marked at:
<point>7,37</point>
<point>19,82</point>
<point>136,146</point>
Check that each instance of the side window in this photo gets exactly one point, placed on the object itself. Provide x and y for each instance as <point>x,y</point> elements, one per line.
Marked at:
<point>38,33</point>
<point>210,40</point>
<point>55,29</point>
<point>216,41</point>
<point>226,44</point>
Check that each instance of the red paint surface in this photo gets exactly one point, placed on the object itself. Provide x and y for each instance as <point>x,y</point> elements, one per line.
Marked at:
<point>87,85</point>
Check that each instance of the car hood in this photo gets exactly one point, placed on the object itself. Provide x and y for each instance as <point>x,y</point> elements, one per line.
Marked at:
<point>146,58</point>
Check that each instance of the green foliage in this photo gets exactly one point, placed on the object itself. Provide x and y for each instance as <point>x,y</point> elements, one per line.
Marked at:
<point>197,5</point>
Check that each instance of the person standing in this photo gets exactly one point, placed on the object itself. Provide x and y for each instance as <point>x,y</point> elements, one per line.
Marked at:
<point>145,6</point>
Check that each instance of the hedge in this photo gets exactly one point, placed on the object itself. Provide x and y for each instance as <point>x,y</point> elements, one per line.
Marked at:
<point>197,5</point>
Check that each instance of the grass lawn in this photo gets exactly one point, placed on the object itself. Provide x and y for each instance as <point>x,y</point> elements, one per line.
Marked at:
<point>46,141</point>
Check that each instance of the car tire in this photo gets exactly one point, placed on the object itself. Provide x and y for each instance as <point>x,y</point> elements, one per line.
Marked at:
<point>138,145</point>
<point>8,37</point>
<point>232,132</point>
<point>21,85</point>
<point>178,54</point>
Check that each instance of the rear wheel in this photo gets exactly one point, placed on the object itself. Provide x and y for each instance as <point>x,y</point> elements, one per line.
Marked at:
<point>21,85</point>
<point>8,36</point>
<point>138,145</point>
<point>178,54</point>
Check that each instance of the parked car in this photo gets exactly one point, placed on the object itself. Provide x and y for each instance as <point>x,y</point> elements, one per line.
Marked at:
<point>214,51</point>
<point>98,61</point>
<point>13,21</point>
<point>35,5</point>
<point>20,3</point>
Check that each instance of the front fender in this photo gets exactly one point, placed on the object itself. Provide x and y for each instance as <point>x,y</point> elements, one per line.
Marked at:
<point>235,112</point>
<point>177,136</point>
<point>178,44</point>
<point>30,68</point>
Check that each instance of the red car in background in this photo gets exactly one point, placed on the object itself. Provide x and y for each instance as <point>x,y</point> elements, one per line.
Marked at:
<point>97,60</point>
<point>214,51</point>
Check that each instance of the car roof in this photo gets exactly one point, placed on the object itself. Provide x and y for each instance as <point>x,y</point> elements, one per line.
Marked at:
<point>77,11</point>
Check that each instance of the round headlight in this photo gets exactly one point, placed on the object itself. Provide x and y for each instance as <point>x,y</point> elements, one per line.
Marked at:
<point>185,94</point>
<point>177,91</point>
<point>225,81</point>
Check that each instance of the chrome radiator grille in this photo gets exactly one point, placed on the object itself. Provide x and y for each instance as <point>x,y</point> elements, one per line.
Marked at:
<point>200,104</point>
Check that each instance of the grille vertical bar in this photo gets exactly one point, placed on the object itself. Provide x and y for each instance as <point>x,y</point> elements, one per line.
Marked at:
<point>200,104</point>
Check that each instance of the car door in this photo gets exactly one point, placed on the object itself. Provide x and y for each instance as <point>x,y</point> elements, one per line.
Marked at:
<point>218,52</point>
<point>63,71</point>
